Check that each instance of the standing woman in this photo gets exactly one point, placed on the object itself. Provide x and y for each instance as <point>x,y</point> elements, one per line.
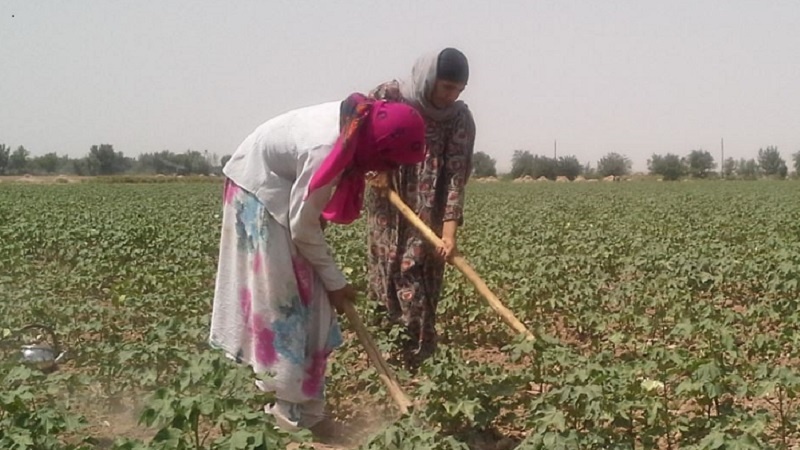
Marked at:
<point>277,283</point>
<point>406,272</point>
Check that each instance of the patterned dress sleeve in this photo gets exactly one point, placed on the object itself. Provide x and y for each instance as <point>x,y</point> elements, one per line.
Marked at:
<point>304,221</point>
<point>458,166</point>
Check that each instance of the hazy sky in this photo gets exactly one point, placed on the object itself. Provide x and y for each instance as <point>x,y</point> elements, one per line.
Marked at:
<point>636,77</point>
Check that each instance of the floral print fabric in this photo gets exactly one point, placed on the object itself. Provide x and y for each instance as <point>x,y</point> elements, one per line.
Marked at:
<point>270,309</point>
<point>405,274</point>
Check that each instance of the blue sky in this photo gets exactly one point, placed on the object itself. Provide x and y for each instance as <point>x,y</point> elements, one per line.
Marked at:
<point>635,77</point>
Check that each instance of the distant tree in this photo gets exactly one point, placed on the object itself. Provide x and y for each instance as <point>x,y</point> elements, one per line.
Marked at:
<point>104,154</point>
<point>194,162</point>
<point>568,166</point>
<point>589,171</point>
<point>87,166</point>
<point>166,162</point>
<point>483,165</point>
<point>524,163</point>
<point>521,164</point>
<point>163,162</point>
<point>728,168</point>
<point>614,164</point>
<point>18,161</point>
<point>771,163</point>
<point>670,166</point>
<point>47,163</point>
<point>5,152</point>
<point>224,160</point>
<point>544,166</point>
<point>747,169</point>
<point>700,163</point>
<point>795,159</point>
<point>211,158</point>
<point>64,164</point>
<point>109,161</point>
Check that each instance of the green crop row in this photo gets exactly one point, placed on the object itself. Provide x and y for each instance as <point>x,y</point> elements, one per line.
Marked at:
<point>666,316</point>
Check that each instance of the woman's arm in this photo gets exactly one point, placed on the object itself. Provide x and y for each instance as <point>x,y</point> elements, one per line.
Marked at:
<point>457,169</point>
<point>305,224</point>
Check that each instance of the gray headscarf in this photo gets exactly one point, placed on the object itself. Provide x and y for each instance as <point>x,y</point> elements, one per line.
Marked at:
<point>417,89</point>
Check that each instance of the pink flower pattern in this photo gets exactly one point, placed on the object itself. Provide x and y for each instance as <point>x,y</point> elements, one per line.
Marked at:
<point>264,340</point>
<point>304,277</point>
<point>258,262</point>
<point>315,374</point>
<point>231,189</point>
<point>246,303</point>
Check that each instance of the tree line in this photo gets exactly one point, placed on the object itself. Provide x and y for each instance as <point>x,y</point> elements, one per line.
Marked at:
<point>697,164</point>
<point>102,159</point>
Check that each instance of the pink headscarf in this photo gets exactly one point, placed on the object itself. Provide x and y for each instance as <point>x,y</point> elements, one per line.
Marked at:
<point>376,136</point>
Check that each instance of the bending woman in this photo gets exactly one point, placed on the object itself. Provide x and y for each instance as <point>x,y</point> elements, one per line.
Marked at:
<point>405,271</point>
<point>277,280</point>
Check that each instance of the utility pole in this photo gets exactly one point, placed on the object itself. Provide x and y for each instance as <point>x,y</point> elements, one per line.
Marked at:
<point>555,151</point>
<point>722,157</point>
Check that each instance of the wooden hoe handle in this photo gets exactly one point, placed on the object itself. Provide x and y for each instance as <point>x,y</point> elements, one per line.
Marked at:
<point>384,371</point>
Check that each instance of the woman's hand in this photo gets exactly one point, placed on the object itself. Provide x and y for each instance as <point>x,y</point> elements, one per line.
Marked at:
<point>448,249</point>
<point>340,297</point>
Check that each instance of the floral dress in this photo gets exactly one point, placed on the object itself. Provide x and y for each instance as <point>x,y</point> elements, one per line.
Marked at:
<point>405,273</point>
